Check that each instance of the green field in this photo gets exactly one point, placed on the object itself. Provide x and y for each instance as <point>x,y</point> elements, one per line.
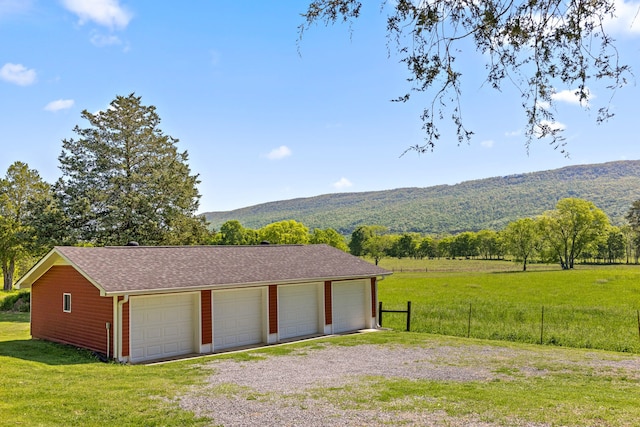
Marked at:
<point>588,307</point>
<point>46,384</point>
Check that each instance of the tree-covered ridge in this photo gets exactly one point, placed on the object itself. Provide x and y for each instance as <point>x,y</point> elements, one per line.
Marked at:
<point>489,203</point>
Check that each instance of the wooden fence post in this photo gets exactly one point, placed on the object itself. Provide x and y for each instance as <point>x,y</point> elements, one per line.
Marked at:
<point>469,322</point>
<point>408,315</point>
<point>542,326</point>
<point>380,313</point>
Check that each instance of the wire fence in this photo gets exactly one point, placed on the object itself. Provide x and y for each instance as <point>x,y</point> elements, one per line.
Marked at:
<point>606,328</point>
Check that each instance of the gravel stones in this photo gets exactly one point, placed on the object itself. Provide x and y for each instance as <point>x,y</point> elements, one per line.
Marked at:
<point>304,388</point>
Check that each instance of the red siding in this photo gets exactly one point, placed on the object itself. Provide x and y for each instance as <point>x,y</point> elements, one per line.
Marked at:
<point>273,309</point>
<point>125,329</point>
<point>374,298</point>
<point>207,322</point>
<point>328,307</point>
<point>85,326</point>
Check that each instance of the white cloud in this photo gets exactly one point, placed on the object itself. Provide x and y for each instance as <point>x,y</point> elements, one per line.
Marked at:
<point>488,143</point>
<point>279,153</point>
<point>17,74</point>
<point>548,126</point>
<point>627,19</point>
<point>513,133</point>
<point>342,184</point>
<point>571,97</point>
<point>108,13</point>
<point>60,104</point>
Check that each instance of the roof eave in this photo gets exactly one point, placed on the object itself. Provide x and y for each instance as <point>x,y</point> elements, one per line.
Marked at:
<point>223,286</point>
<point>52,258</point>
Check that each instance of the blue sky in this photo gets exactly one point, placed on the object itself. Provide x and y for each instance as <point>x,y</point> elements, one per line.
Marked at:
<point>266,119</point>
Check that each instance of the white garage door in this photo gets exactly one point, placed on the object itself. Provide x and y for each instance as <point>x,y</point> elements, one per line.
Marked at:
<point>237,318</point>
<point>297,310</point>
<point>162,326</point>
<point>349,306</point>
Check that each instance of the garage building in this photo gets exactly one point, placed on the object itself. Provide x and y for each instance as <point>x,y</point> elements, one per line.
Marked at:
<point>139,303</point>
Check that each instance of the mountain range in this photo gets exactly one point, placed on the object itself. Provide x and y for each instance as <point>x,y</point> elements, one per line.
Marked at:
<point>489,203</point>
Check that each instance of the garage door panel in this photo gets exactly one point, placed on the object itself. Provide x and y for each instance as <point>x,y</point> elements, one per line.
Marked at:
<point>162,326</point>
<point>237,318</point>
<point>298,310</point>
<point>349,306</point>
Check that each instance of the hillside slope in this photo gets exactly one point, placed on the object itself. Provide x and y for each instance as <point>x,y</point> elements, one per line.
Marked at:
<point>472,205</point>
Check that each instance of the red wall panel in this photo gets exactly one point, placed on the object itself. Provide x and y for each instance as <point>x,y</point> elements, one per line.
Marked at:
<point>125,327</point>
<point>207,321</point>
<point>374,298</point>
<point>85,325</point>
<point>328,307</point>
<point>273,309</point>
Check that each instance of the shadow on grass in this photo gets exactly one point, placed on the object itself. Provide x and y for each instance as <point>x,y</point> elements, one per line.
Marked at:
<point>46,352</point>
<point>11,316</point>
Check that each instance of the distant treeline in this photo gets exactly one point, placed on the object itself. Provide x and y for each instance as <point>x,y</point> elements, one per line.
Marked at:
<point>575,230</point>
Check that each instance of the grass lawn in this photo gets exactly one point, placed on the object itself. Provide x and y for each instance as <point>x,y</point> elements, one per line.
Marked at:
<point>44,384</point>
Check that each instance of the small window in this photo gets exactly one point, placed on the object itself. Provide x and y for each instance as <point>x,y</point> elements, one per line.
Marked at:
<point>66,303</point>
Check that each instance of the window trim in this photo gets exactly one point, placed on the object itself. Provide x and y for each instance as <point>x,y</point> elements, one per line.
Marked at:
<point>66,302</point>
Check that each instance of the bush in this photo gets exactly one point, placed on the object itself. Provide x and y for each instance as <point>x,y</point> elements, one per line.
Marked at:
<point>20,301</point>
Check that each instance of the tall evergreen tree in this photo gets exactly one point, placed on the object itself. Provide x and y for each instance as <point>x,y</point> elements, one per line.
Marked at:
<point>123,179</point>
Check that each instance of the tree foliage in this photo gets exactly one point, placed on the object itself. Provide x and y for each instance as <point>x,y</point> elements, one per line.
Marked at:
<point>571,227</point>
<point>541,47</point>
<point>22,191</point>
<point>360,236</point>
<point>285,233</point>
<point>123,179</point>
<point>522,238</point>
<point>329,237</point>
<point>590,238</point>
<point>378,246</point>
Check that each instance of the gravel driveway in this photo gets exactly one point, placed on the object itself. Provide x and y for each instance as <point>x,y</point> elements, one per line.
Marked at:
<point>294,390</point>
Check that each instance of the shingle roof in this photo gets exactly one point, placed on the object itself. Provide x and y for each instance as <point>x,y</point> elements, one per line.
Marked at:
<point>138,269</point>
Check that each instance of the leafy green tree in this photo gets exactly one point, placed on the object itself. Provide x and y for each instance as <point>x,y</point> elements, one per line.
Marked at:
<point>123,179</point>
<point>427,248</point>
<point>330,237</point>
<point>445,246</point>
<point>633,216</point>
<point>360,236</point>
<point>233,233</point>
<point>465,244</point>
<point>628,234</point>
<point>535,45</point>
<point>406,246</point>
<point>285,233</point>
<point>20,191</point>
<point>522,239</point>
<point>615,245</point>
<point>489,244</point>
<point>378,246</point>
<point>571,227</point>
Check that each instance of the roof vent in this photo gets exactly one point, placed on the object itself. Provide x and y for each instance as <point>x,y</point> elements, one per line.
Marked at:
<point>132,243</point>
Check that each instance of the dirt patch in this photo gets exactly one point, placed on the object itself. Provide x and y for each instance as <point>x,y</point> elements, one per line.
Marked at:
<point>292,390</point>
